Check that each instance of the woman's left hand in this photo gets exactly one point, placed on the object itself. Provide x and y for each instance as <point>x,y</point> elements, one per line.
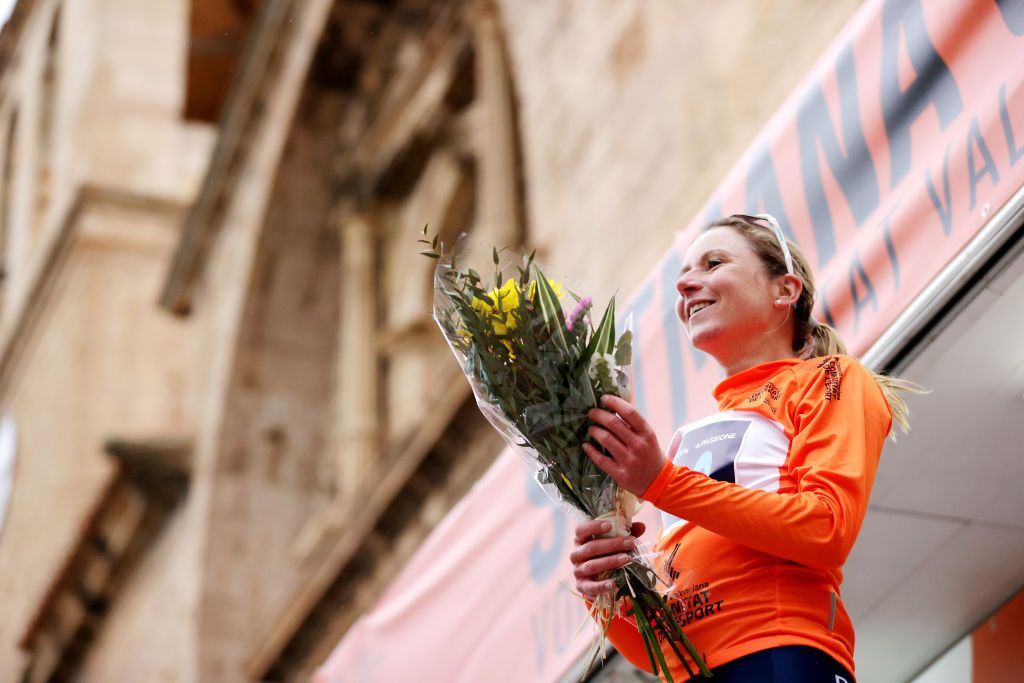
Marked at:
<point>636,457</point>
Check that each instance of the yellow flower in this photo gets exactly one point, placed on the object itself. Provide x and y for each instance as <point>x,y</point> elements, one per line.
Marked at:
<point>505,299</point>
<point>559,291</point>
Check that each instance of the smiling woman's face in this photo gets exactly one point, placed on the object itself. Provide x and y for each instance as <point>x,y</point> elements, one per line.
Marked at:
<point>725,298</point>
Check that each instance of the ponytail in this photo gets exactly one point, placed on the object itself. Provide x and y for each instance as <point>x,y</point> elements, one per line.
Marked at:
<point>894,390</point>
<point>822,340</point>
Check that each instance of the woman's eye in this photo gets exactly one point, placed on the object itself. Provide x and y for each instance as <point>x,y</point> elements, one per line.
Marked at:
<point>712,263</point>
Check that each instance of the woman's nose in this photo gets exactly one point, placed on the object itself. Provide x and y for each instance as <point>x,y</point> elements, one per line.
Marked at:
<point>687,283</point>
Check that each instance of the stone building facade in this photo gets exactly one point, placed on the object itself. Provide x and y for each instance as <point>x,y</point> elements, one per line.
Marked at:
<point>232,417</point>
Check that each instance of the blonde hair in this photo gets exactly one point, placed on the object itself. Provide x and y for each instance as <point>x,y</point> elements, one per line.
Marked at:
<point>812,338</point>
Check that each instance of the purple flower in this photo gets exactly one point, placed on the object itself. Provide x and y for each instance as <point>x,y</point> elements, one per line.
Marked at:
<point>577,313</point>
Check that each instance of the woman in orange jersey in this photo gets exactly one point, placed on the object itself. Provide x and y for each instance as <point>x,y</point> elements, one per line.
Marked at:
<point>761,502</point>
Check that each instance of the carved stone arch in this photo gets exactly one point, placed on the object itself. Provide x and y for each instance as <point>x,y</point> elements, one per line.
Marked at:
<point>272,470</point>
<point>440,148</point>
<point>429,135</point>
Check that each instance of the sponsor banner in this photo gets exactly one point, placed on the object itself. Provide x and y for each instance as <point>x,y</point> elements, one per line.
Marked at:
<point>889,158</point>
<point>886,161</point>
<point>486,597</point>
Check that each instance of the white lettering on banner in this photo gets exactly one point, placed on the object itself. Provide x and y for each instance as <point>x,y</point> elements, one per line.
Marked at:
<point>715,439</point>
<point>841,679</point>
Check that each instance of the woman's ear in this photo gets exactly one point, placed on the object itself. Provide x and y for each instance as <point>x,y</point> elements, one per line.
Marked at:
<point>788,289</point>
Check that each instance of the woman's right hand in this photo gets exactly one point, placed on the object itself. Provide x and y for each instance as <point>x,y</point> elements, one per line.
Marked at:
<point>595,555</point>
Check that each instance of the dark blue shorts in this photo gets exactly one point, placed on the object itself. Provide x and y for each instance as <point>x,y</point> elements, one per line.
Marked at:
<point>787,664</point>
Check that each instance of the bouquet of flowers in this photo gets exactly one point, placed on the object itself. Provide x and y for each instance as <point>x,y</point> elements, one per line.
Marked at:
<point>536,371</point>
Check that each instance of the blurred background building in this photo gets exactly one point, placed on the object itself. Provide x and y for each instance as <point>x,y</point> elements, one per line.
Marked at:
<point>227,419</point>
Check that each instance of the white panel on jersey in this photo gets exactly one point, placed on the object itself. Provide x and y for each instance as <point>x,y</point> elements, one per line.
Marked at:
<point>737,446</point>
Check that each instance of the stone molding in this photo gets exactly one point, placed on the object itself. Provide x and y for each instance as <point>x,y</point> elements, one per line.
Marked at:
<point>26,309</point>
<point>148,480</point>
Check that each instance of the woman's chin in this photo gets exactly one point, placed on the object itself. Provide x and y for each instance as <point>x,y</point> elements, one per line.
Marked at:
<point>701,337</point>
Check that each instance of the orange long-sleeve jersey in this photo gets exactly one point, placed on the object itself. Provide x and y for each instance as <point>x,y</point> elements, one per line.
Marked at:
<point>761,504</point>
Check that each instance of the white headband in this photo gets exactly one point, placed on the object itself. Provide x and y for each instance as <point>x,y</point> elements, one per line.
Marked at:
<point>780,237</point>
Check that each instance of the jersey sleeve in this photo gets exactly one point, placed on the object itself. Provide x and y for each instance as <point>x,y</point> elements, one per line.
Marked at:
<point>840,423</point>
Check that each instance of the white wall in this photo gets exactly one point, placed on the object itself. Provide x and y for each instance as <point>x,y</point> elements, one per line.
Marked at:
<point>952,667</point>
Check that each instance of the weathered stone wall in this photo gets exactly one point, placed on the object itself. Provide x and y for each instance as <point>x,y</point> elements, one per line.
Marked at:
<point>96,357</point>
<point>264,310</point>
<point>101,362</point>
<point>274,470</point>
<point>632,113</point>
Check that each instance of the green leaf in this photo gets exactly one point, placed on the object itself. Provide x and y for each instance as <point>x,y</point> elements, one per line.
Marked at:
<point>659,610</point>
<point>495,249</point>
<point>430,254</point>
<point>551,310</point>
<point>646,636</point>
<point>605,333</point>
<point>673,631</point>
<point>624,349</point>
<point>424,230</point>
